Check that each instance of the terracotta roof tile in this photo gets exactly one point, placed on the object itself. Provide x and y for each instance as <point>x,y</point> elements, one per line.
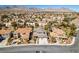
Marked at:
<point>23,30</point>
<point>5,31</point>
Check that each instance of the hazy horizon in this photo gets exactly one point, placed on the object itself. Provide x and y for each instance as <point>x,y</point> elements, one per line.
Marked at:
<point>72,7</point>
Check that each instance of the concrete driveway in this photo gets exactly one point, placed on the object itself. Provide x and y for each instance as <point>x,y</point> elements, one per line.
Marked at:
<point>43,48</point>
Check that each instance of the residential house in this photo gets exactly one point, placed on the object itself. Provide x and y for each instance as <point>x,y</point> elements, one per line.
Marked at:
<point>24,32</point>
<point>30,23</point>
<point>57,33</point>
<point>42,23</point>
<point>8,24</point>
<point>40,35</point>
<point>21,22</point>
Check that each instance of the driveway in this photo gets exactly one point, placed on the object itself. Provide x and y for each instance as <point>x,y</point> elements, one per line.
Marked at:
<point>43,48</point>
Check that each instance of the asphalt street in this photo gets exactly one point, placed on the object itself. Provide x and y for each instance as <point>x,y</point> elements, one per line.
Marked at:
<point>43,48</point>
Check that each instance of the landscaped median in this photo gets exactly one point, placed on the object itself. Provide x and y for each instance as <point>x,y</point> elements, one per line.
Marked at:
<point>53,44</point>
<point>64,44</point>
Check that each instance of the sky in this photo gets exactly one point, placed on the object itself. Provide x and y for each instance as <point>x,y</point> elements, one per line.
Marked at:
<point>72,7</point>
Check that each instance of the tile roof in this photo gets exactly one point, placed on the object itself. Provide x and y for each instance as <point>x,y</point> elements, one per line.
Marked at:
<point>5,31</point>
<point>23,30</point>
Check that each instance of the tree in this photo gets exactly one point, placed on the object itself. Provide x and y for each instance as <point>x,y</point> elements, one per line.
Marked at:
<point>14,24</point>
<point>46,27</point>
<point>70,31</point>
<point>4,16</point>
<point>0,25</point>
<point>73,29</point>
<point>36,25</point>
<point>53,39</point>
<point>66,20</point>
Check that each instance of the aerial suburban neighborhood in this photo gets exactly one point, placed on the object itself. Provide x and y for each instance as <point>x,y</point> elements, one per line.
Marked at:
<point>38,26</point>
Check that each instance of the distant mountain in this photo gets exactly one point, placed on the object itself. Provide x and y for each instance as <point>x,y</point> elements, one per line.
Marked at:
<point>11,6</point>
<point>24,7</point>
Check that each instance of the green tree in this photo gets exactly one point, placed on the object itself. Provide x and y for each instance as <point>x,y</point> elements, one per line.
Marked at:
<point>73,29</point>
<point>36,25</point>
<point>46,27</point>
<point>14,24</point>
<point>4,16</point>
